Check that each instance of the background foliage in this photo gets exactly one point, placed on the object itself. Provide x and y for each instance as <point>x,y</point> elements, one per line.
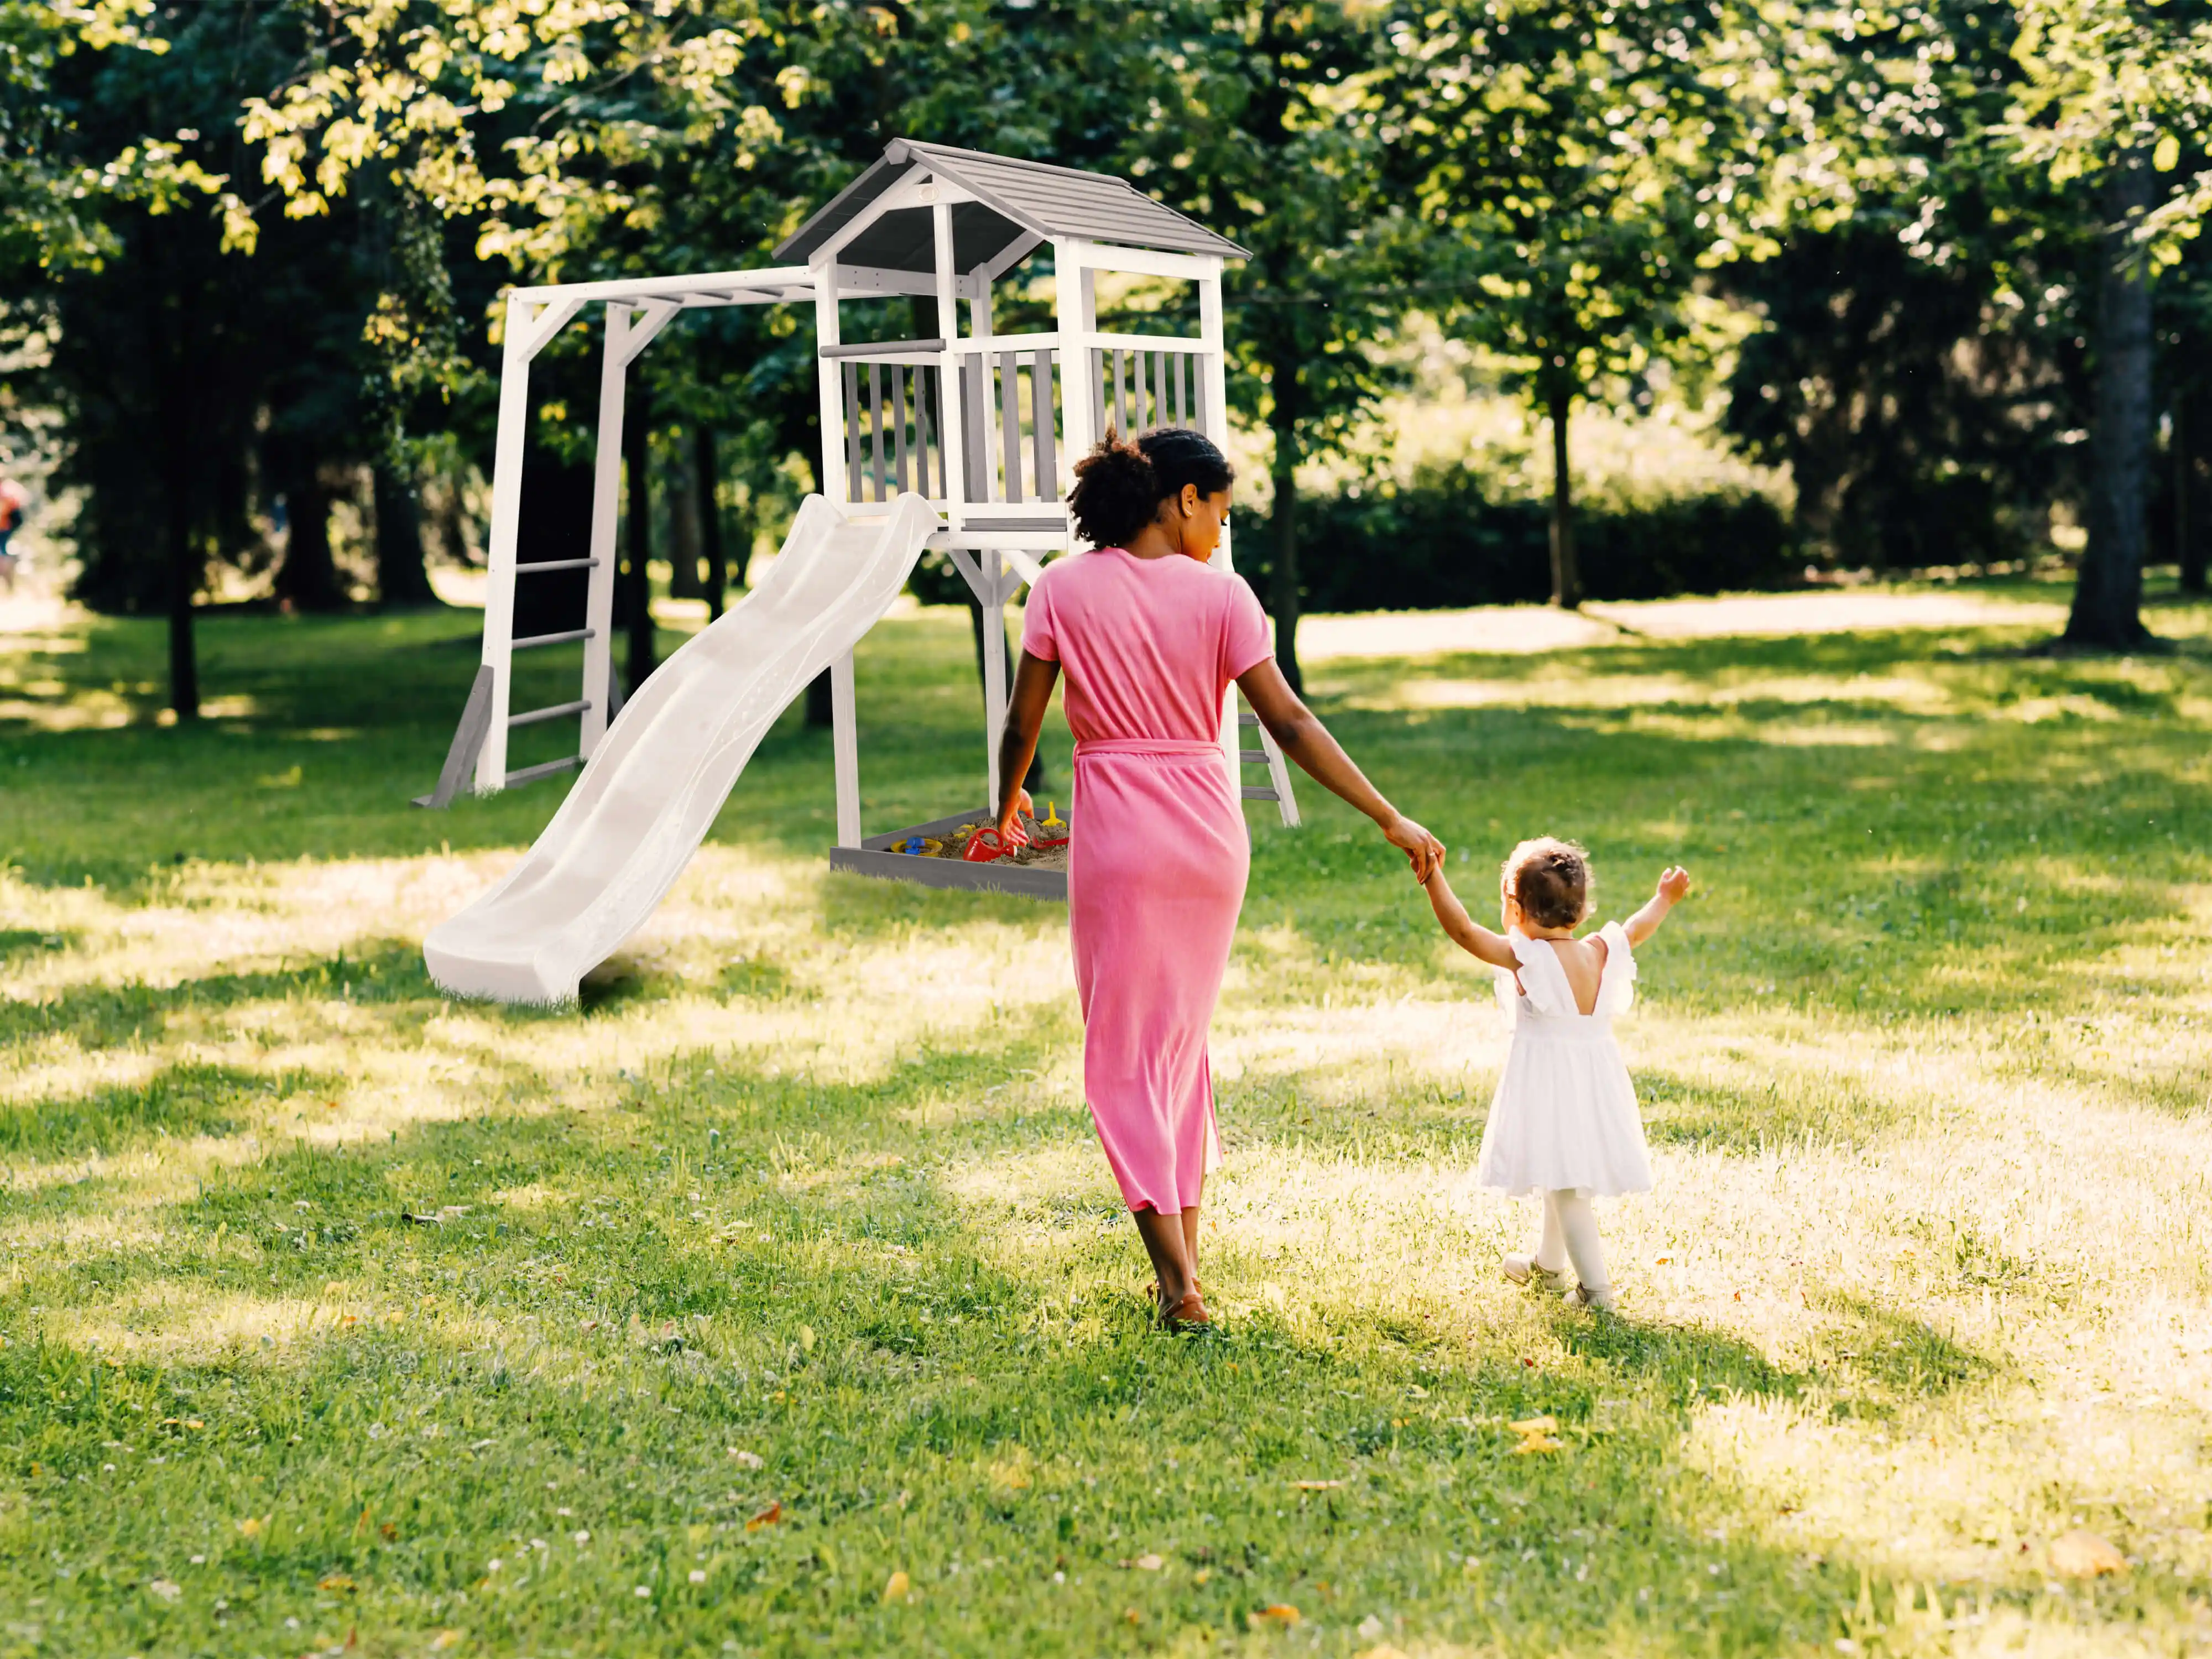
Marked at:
<point>253,251</point>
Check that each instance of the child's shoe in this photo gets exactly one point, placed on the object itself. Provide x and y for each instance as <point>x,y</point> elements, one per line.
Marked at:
<point>1523,1268</point>
<point>1604,1301</point>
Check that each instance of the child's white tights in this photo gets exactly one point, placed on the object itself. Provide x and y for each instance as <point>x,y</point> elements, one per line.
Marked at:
<point>1571,1235</point>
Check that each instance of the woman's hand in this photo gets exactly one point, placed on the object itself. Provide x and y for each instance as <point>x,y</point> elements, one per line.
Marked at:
<point>1011,832</point>
<point>1422,850</point>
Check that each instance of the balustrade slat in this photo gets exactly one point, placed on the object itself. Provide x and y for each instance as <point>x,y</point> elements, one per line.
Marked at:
<point>876,426</point>
<point>1010,416</point>
<point>1042,453</point>
<point>924,381</point>
<point>972,388</point>
<point>1174,382</point>
<point>1098,397</point>
<point>852,431</point>
<point>898,420</point>
<point>1121,391</point>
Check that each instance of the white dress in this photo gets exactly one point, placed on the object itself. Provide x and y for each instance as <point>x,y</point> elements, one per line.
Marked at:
<point>1565,1112</point>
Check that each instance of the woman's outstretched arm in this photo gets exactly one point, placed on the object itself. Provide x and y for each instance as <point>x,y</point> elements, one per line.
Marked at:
<point>1033,683</point>
<point>1301,735</point>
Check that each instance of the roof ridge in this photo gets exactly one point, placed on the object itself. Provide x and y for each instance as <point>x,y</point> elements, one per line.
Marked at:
<point>997,160</point>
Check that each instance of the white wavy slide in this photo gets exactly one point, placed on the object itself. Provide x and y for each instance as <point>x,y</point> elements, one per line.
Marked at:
<point>645,798</point>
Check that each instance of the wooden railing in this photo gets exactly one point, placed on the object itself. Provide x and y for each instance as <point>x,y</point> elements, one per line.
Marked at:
<point>1164,390</point>
<point>1011,402</point>
<point>888,441</point>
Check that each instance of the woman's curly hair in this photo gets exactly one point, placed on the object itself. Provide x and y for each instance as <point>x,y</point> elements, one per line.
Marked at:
<point>1552,880</point>
<point>1119,484</point>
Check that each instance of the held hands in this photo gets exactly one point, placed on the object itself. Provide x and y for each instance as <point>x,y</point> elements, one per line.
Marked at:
<point>1422,850</point>
<point>1674,884</point>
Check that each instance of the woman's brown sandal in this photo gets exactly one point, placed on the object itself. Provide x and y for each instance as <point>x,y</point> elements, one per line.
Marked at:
<point>1187,1314</point>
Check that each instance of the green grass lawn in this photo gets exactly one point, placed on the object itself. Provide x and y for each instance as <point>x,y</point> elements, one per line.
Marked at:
<point>778,1300</point>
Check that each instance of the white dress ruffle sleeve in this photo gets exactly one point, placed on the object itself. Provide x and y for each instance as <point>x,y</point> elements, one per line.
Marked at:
<point>1565,1114</point>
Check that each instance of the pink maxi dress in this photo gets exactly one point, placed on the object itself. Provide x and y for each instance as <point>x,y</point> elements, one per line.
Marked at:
<point>1159,858</point>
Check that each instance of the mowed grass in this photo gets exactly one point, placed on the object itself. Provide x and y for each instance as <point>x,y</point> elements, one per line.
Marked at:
<point>778,1300</point>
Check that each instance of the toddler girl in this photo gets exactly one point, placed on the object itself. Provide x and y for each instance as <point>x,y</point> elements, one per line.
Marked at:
<point>1565,1122</point>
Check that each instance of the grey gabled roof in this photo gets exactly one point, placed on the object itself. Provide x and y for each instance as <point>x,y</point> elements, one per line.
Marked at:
<point>1014,200</point>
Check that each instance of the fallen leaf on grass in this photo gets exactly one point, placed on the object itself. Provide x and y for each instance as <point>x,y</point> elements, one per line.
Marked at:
<point>254,1526</point>
<point>1315,1485</point>
<point>1145,1563</point>
<point>167,1589</point>
<point>896,1586</point>
<point>746,1460</point>
<point>446,1638</point>
<point>337,1581</point>
<point>1547,1424</point>
<point>767,1517</point>
<point>2082,1555</point>
<point>1281,1614</point>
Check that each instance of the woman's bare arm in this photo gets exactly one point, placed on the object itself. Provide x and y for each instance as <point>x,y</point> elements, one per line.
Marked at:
<point>1032,694</point>
<point>1298,731</point>
<point>1470,935</point>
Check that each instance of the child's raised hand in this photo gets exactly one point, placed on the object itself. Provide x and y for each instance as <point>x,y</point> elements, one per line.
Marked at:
<point>1674,884</point>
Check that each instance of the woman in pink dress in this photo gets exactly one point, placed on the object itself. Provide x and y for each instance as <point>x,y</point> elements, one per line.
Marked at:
<point>1150,638</point>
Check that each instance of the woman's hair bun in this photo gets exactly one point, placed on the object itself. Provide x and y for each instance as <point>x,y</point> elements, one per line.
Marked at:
<point>1119,484</point>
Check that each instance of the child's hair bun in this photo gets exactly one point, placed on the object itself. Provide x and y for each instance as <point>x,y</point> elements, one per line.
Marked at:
<point>1550,879</point>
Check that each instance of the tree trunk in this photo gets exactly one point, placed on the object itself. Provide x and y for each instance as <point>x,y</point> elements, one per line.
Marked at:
<point>2188,527</point>
<point>184,582</point>
<point>637,574</point>
<point>308,578</point>
<point>1566,575</point>
<point>1283,518</point>
<point>401,578</point>
<point>679,488</point>
<point>707,474</point>
<point>2108,593</point>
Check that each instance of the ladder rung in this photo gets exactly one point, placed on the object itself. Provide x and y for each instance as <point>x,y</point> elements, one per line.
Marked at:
<point>537,640</point>
<point>1251,794</point>
<point>1248,720</point>
<point>556,564</point>
<point>532,774</point>
<point>1252,757</point>
<point>552,712</point>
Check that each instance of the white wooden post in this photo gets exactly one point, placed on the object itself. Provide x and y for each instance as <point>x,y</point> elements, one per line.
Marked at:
<point>1069,281</point>
<point>606,495</point>
<point>994,667</point>
<point>1213,391</point>
<point>844,714</point>
<point>951,431</point>
<point>845,750</point>
<point>832,386</point>
<point>515,352</point>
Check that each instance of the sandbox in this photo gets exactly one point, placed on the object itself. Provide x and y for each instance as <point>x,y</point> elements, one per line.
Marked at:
<point>931,855</point>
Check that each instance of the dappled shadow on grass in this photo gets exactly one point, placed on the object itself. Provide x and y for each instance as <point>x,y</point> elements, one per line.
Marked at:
<point>17,942</point>
<point>863,907</point>
<point>1699,1115</point>
<point>181,1100</point>
<point>96,1015</point>
<point>1885,1360</point>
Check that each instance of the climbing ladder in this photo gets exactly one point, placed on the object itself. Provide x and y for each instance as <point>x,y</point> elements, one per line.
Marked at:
<point>1278,786</point>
